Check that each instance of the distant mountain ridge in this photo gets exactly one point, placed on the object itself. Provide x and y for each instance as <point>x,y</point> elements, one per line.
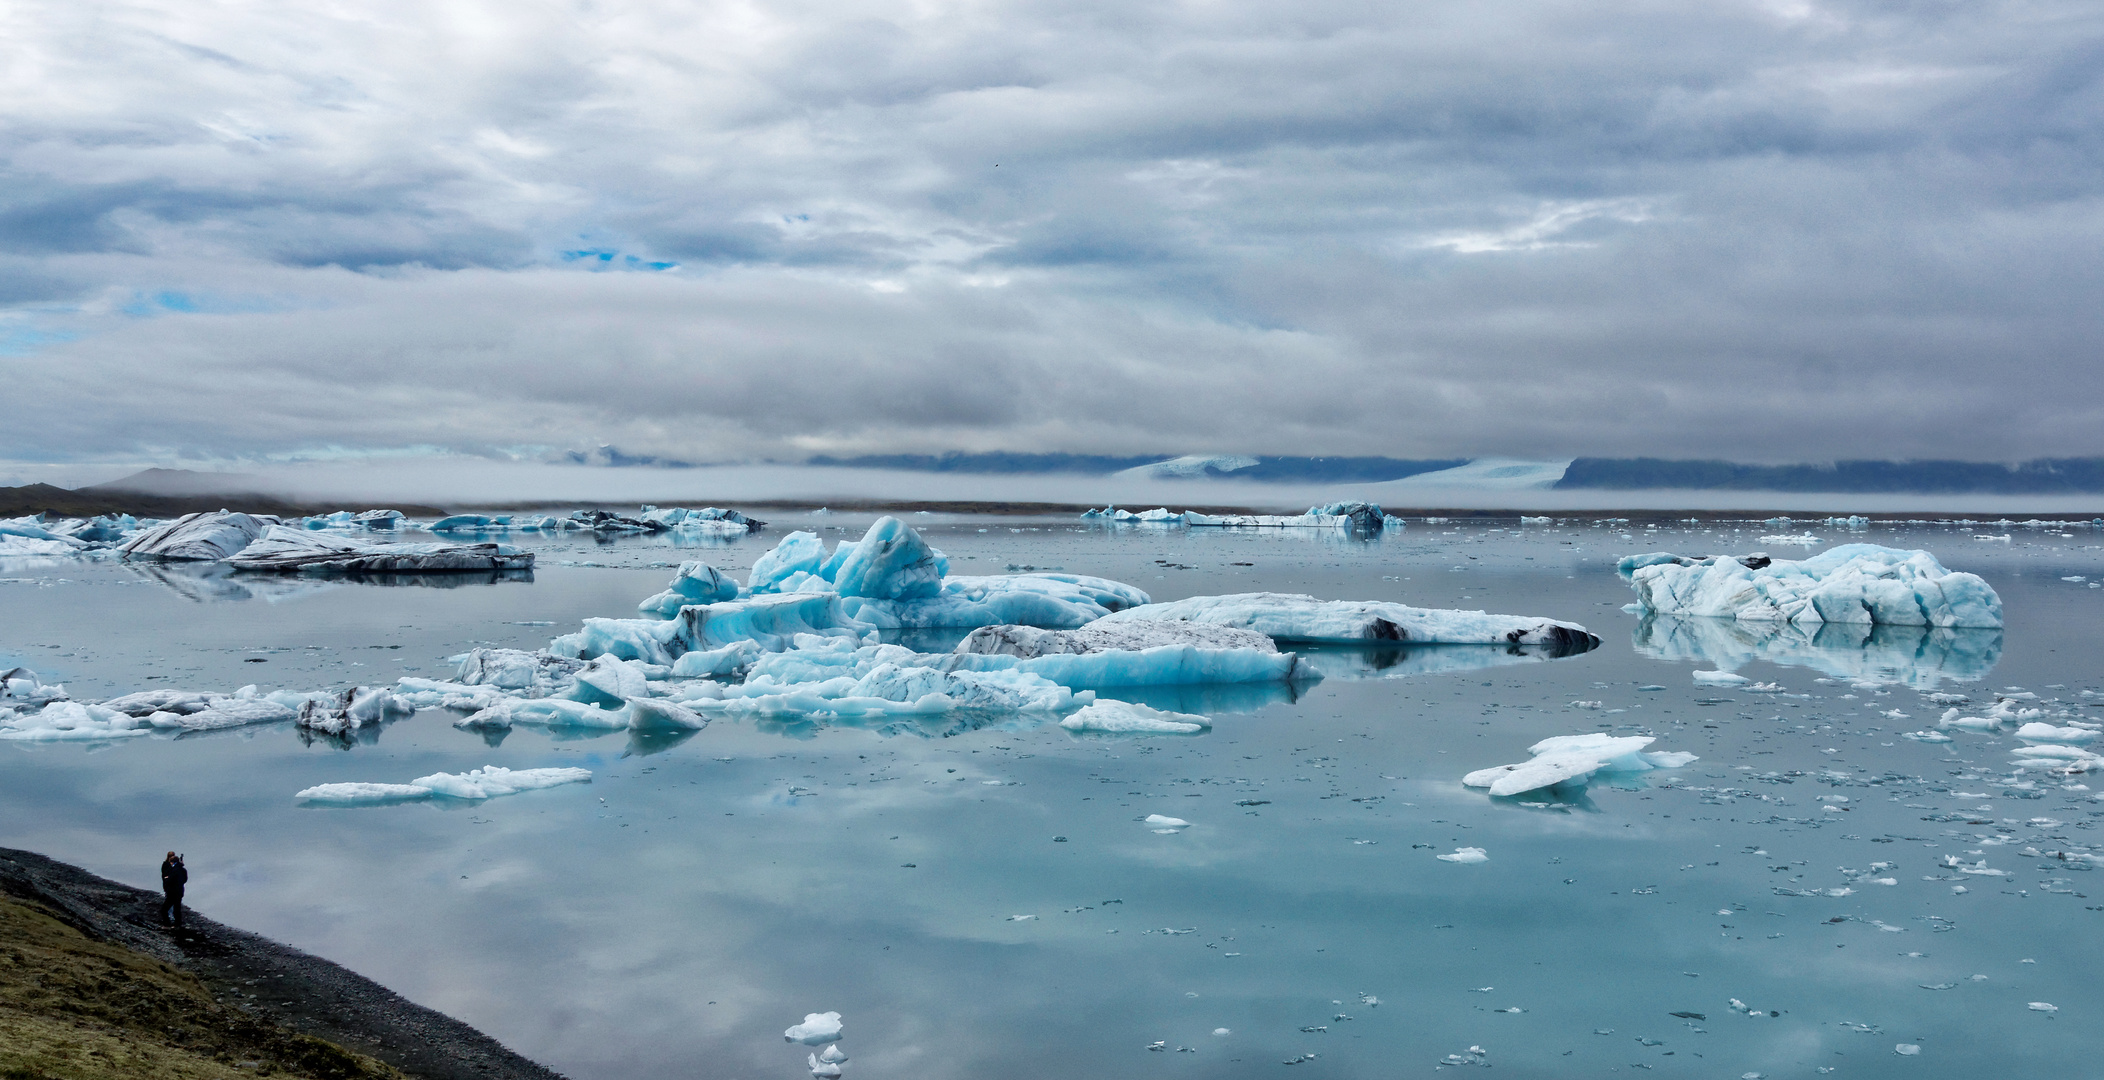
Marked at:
<point>2042,476</point>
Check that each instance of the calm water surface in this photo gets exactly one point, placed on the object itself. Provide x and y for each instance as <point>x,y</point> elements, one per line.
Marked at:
<point>987,901</point>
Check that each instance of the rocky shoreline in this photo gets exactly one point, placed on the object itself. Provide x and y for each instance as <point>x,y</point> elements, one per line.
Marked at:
<point>265,979</point>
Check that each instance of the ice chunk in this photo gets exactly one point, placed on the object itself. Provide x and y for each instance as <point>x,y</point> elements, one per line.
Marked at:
<point>822,1070</point>
<point>349,710</point>
<point>772,621</point>
<point>797,552</point>
<point>1852,583</point>
<point>378,519</point>
<point>288,550</point>
<point>728,660</point>
<point>1720,678</point>
<point>696,583</point>
<point>1125,718</point>
<point>20,686</point>
<point>816,1028</point>
<point>833,1056</point>
<point>203,536</point>
<point>1356,516</point>
<point>1465,856</point>
<point>1572,760</point>
<point>891,562</point>
<point>1292,617</point>
<point>487,782</point>
<point>1062,601</point>
<point>517,669</point>
<point>69,720</point>
<point>1131,654</point>
<point>650,714</point>
<point>2047,733</point>
<point>1162,823</point>
<point>652,641</point>
<point>609,681</point>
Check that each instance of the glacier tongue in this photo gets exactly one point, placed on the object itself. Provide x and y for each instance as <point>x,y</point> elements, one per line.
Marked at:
<point>1852,583</point>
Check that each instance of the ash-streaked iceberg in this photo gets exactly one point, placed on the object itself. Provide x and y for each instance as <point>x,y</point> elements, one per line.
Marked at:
<point>1294,617</point>
<point>1852,583</point>
<point>1570,760</point>
<point>350,709</point>
<point>286,550</point>
<point>1102,655</point>
<point>206,536</point>
<point>1364,517</point>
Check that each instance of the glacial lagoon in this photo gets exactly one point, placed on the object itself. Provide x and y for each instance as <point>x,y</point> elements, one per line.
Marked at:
<point>1816,894</point>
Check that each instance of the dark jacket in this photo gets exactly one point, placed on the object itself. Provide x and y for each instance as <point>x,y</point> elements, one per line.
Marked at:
<point>174,876</point>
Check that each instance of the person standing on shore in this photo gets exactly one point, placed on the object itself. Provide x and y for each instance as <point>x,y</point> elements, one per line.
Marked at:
<point>173,877</point>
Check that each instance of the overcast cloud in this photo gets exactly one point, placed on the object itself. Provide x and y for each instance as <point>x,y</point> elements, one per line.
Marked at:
<point>719,231</point>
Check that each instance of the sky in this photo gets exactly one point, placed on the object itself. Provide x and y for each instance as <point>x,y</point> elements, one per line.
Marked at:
<point>1770,232</point>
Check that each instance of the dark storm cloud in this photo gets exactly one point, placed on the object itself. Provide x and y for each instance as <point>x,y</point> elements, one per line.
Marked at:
<point>1769,231</point>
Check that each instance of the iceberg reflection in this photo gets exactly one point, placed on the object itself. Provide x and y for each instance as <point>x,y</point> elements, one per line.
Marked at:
<point>1406,661</point>
<point>214,583</point>
<point>1920,657</point>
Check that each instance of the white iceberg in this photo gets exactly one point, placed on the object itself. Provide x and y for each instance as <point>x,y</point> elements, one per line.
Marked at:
<point>203,536</point>
<point>1720,678</point>
<point>816,1028</point>
<point>1163,823</point>
<point>1465,856</point>
<point>287,550</point>
<point>2046,733</point>
<point>1852,583</point>
<point>1125,718</point>
<point>1574,759</point>
<point>487,782</point>
<point>517,669</point>
<point>1293,617</point>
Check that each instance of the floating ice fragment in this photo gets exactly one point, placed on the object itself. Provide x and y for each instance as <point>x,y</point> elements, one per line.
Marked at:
<point>487,782</point>
<point>1162,823</point>
<point>1572,760</point>
<point>1906,1049</point>
<point>1465,855</point>
<point>1720,678</point>
<point>2044,1007</point>
<point>816,1028</point>
<point>1125,718</point>
<point>822,1070</point>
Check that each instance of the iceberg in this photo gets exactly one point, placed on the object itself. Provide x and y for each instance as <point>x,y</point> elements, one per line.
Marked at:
<point>378,519</point>
<point>517,669</point>
<point>285,550</point>
<point>1124,718</point>
<point>20,686</point>
<point>1921,657</point>
<point>696,583</point>
<point>1063,601</point>
<point>1292,617</point>
<point>1572,760</point>
<point>1356,516</point>
<point>891,562</point>
<point>799,552</point>
<point>1852,583</point>
<point>191,710</point>
<point>772,621</point>
<point>1467,856</point>
<point>206,536</point>
<point>487,782</point>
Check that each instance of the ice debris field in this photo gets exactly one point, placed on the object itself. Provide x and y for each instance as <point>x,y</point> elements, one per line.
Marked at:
<point>1178,777</point>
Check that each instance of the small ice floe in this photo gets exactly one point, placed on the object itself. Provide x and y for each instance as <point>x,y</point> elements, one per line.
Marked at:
<point>2066,760</point>
<point>1907,1049</point>
<point>2046,733</point>
<point>827,1063</point>
<point>1926,736</point>
<point>21,687</point>
<point>1720,678</point>
<point>1163,824</point>
<point>487,782</point>
<point>2044,1007</point>
<point>816,1028</point>
<point>1467,855</point>
<point>1125,718</point>
<point>1807,539</point>
<point>1571,760</point>
<point>70,721</point>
